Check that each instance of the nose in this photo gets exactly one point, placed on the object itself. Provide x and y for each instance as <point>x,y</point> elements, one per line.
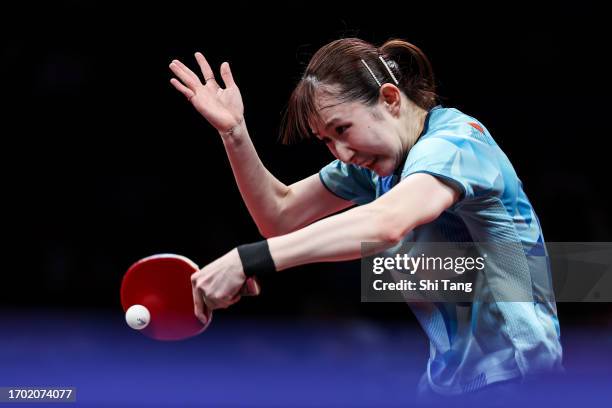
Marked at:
<point>343,152</point>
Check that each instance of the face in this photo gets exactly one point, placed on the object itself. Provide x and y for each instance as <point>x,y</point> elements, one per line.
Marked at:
<point>359,134</point>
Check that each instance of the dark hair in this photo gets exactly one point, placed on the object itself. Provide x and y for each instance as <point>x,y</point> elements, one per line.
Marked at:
<point>336,69</point>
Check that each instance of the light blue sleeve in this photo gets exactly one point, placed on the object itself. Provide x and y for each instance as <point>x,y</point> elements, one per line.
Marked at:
<point>349,182</point>
<point>469,164</point>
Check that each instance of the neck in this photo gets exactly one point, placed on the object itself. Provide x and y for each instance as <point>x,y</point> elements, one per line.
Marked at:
<point>413,124</point>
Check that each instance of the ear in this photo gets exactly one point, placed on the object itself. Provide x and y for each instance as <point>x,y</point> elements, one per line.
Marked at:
<point>390,97</point>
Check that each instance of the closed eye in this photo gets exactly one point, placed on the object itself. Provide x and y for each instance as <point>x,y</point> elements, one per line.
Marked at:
<point>341,129</point>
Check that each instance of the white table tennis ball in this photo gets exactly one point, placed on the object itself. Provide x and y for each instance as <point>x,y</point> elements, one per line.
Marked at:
<point>137,317</point>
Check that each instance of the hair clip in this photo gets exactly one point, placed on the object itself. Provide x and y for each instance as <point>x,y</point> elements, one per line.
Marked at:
<point>388,69</point>
<point>370,71</point>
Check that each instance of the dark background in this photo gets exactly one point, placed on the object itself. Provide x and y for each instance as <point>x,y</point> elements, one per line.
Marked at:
<point>105,163</point>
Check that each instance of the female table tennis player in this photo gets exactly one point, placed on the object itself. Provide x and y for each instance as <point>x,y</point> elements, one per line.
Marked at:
<point>416,170</point>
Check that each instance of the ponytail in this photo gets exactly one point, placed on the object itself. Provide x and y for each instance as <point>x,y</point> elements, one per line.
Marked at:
<point>414,72</point>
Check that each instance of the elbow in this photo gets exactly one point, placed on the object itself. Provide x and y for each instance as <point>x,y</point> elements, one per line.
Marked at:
<point>275,224</point>
<point>265,233</point>
<point>393,229</point>
<point>400,212</point>
<point>390,236</point>
<point>394,226</point>
<point>273,229</point>
<point>388,230</point>
<point>268,232</point>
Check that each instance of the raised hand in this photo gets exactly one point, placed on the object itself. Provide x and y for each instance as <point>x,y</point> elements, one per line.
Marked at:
<point>222,107</point>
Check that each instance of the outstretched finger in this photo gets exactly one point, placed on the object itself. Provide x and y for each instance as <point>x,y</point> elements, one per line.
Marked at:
<point>207,71</point>
<point>185,77</point>
<point>226,74</point>
<point>188,70</point>
<point>182,88</point>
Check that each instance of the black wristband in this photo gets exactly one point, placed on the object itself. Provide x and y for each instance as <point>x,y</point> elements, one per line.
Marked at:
<point>256,259</point>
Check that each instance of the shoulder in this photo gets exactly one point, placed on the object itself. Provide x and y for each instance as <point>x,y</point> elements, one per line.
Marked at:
<point>456,148</point>
<point>448,122</point>
<point>450,129</point>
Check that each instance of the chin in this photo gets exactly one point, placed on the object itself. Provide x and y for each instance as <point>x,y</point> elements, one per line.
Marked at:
<point>382,171</point>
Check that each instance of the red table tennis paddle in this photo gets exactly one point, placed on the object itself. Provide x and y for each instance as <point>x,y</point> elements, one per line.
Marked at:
<point>157,292</point>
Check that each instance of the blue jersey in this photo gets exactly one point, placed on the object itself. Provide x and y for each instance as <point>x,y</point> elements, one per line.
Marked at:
<point>477,343</point>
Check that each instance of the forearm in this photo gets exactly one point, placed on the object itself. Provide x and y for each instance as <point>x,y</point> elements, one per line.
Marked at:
<point>417,200</point>
<point>261,191</point>
<point>337,238</point>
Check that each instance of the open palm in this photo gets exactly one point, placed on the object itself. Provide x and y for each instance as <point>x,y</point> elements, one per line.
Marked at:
<point>222,107</point>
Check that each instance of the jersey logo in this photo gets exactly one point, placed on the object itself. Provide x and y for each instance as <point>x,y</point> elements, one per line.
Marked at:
<point>476,126</point>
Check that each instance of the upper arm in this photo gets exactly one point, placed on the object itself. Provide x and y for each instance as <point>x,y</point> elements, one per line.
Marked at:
<point>307,201</point>
<point>418,199</point>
